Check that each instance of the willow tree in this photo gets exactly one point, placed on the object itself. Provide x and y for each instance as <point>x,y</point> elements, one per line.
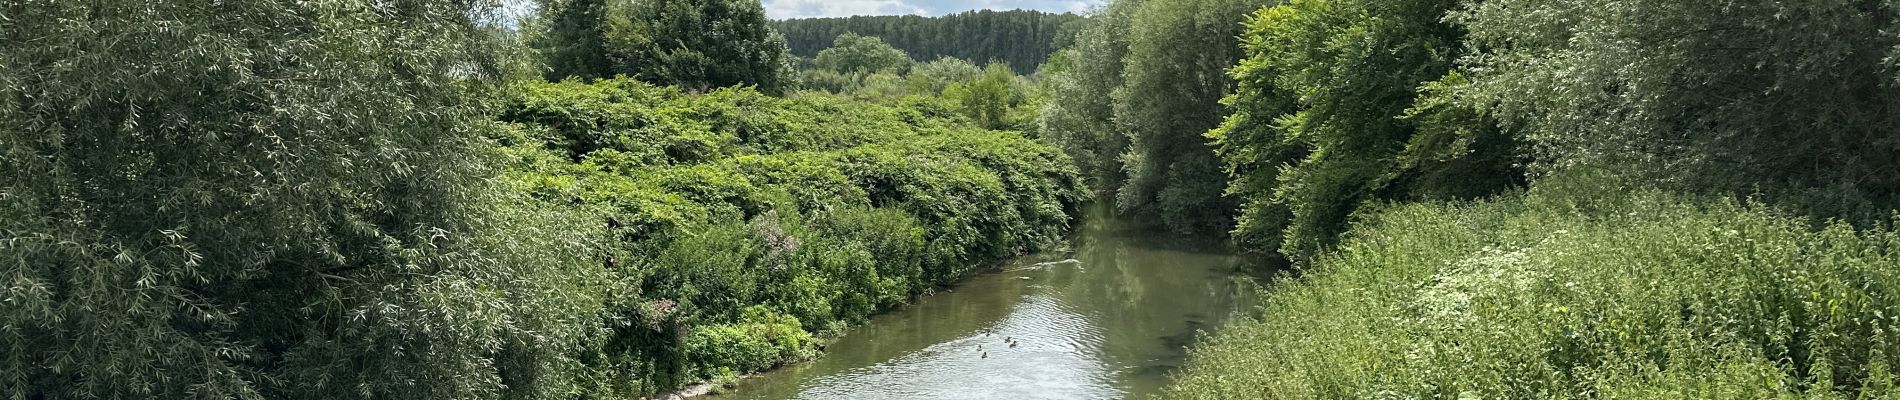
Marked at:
<point>1173,81</point>
<point>1079,115</point>
<point>1796,102</point>
<point>268,199</point>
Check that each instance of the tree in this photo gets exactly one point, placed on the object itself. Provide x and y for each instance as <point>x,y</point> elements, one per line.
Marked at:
<point>853,54</point>
<point>1178,51</point>
<point>1079,115</point>
<point>699,45</point>
<point>988,100</point>
<point>1019,38</point>
<point>1330,116</point>
<point>573,41</point>
<point>935,76</point>
<point>694,44</point>
<point>1796,102</point>
<point>267,199</point>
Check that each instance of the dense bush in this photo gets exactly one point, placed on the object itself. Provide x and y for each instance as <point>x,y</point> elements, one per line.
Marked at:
<point>741,225</point>
<point>1573,292</point>
<point>270,199</point>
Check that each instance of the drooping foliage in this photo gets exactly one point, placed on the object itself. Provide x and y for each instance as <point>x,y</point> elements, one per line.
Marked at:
<point>1019,38</point>
<point>1796,101</point>
<point>740,226</point>
<point>1080,114</point>
<point>694,44</point>
<point>1348,102</point>
<point>1133,100</point>
<point>270,199</point>
<point>1173,81</point>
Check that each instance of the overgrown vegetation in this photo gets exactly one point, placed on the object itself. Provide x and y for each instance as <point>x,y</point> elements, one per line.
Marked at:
<point>1709,214</point>
<point>1570,292</point>
<point>264,199</point>
<point>259,199</point>
<point>740,226</point>
<point>1343,103</point>
<point>1498,198</point>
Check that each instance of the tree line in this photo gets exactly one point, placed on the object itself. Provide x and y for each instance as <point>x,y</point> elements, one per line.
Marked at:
<point>1022,39</point>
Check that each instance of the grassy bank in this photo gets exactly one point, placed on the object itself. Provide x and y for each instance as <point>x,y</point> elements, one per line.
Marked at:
<point>740,227</point>
<point>1572,293</point>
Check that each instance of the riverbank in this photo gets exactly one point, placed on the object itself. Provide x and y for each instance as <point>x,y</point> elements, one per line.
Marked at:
<point>713,388</point>
<point>1573,295</point>
<point>740,228</point>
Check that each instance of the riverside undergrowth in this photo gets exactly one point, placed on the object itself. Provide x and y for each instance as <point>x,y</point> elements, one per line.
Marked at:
<point>1571,292</point>
<point>739,226</point>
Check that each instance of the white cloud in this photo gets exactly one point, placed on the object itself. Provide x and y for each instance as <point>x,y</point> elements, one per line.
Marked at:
<point>782,9</point>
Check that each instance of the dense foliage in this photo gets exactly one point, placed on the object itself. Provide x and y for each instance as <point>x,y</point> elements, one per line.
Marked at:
<point>1020,38</point>
<point>1571,292</point>
<point>739,226</point>
<point>694,44</point>
<point>264,199</point>
<point>268,199</point>
<point>1166,93</point>
<point>853,54</point>
<point>1798,102</point>
<point>1630,268</point>
<point>1080,113</point>
<point>1330,116</point>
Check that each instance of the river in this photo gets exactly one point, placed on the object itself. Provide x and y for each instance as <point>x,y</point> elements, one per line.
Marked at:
<point>1112,323</point>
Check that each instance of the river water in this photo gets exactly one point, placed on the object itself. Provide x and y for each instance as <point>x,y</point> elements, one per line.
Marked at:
<point>1112,323</point>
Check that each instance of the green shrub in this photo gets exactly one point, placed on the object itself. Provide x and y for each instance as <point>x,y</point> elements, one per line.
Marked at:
<point>740,226</point>
<point>1569,292</point>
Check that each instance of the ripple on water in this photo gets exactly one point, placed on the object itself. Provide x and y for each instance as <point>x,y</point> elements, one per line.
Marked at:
<point>1055,358</point>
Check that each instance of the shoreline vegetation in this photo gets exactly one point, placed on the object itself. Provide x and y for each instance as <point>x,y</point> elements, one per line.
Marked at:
<point>430,199</point>
<point>1565,291</point>
<point>755,225</point>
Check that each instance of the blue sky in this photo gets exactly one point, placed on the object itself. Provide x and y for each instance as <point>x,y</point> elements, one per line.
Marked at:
<point>780,9</point>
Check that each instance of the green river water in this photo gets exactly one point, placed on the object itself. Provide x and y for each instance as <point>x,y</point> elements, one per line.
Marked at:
<point>1113,323</point>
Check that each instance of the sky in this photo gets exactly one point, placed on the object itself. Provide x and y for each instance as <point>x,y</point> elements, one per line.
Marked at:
<point>782,9</point>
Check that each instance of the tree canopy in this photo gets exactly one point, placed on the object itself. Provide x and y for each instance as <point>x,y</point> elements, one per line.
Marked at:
<point>696,44</point>
<point>1022,39</point>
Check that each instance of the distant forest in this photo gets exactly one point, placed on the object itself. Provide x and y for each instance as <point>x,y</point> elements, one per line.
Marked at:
<point>1024,39</point>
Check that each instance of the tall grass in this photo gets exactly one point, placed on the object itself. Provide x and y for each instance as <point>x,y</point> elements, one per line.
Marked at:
<point>1556,295</point>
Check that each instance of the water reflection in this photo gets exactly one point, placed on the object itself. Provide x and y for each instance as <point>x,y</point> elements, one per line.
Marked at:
<point>1112,325</point>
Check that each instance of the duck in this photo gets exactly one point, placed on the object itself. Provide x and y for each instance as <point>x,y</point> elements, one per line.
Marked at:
<point>1012,345</point>
<point>986,354</point>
